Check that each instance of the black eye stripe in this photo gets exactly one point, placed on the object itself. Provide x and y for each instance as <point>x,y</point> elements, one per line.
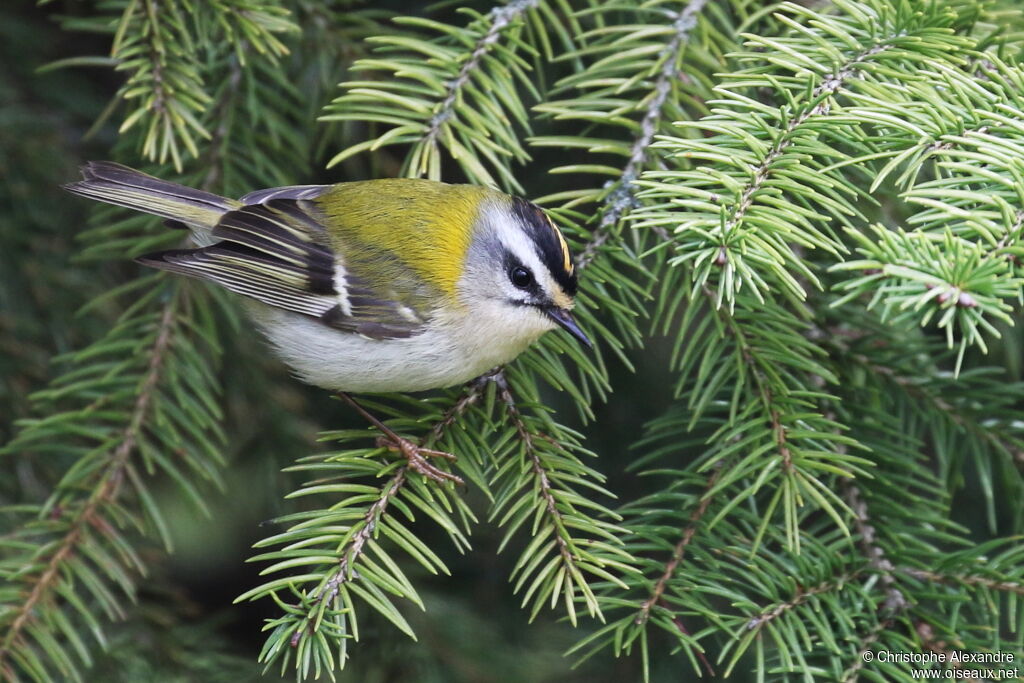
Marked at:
<point>546,243</point>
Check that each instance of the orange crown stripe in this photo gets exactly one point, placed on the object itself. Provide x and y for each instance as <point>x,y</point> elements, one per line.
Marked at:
<point>566,258</point>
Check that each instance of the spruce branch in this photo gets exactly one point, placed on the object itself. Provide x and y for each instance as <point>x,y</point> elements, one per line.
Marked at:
<point>827,589</point>
<point>998,434</point>
<point>457,93</point>
<point>554,517</point>
<point>163,77</point>
<point>895,602</point>
<point>349,556</point>
<point>499,18</point>
<point>783,409</point>
<point>339,550</point>
<point>774,179</point>
<point>141,403</point>
<point>542,484</point>
<point>852,673</point>
<point>671,567</point>
<point>800,596</point>
<point>874,553</point>
<point>973,580</point>
<point>637,97</point>
<point>817,105</point>
<point>219,144</point>
<point>161,47</point>
<point>104,494</point>
<point>769,360</point>
<point>982,583</point>
<point>474,392</point>
<point>117,419</point>
<point>806,387</point>
<point>960,173</point>
<point>968,419</point>
<point>621,193</point>
<point>902,521</point>
<point>678,552</point>
<point>914,275</point>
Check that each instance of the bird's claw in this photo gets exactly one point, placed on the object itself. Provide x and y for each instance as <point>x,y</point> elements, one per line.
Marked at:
<point>417,457</point>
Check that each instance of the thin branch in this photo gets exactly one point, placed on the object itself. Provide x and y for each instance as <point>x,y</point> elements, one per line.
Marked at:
<point>620,200</point>
<point>346,564</point>
<point>800,596</point>
<point>829,86</point>
<point>162,93</point>
<point>851,674</point>
<point>764,390</point>
<point>474,390</point>
<point>526,438</point>
<point>895,601</point>
<point>679,552</point>
<point>698,651</point>
<point>108,487</point>
<point>356,546</point>
<point>218,146</point>
<point>500,17</point>
<point>1013,234</point>
<point>964,579</point>
<point>157,54</point>
<point>953,413</point>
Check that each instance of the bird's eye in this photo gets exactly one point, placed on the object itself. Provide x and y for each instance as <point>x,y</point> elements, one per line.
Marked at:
<point>521,277</point>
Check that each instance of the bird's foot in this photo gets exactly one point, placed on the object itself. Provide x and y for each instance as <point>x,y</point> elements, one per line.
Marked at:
<point>417,456</point>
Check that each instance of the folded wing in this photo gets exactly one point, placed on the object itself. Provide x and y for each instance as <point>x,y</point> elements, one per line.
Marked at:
<point>276,250</point>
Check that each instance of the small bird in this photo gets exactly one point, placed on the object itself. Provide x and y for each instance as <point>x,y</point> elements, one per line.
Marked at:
<point>372,286</point>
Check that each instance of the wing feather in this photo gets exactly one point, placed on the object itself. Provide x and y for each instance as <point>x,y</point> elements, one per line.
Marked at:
<point>274,284</point>
<point>276,250</point>
<point>287,192</point>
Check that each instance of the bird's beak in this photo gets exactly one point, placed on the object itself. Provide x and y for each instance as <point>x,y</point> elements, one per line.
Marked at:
<point>565,320</point>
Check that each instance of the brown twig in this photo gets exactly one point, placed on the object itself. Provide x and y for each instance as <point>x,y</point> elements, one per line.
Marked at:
<point>620,200</point>
<point>762,385</point>
<point>345,569</point>
<point>678,554</point>
<point>474,390</point>
<point>830,85</point>
<point>501,17</point>
<point>895,601</point>
<point>964,579</point>
<point>800,596</point>
<point>541,475</point>
<point>108,488</point>
<point>216,147</point>
<point>853,671</point>
<point>953,413</point>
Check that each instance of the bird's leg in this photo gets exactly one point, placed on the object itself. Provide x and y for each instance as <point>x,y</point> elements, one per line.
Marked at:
<point>416,455</point>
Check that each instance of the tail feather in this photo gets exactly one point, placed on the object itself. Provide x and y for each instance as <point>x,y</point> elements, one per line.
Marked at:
<point>116,184</point>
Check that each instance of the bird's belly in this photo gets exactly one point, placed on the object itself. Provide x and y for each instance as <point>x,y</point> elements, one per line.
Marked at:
<point>342,361</point>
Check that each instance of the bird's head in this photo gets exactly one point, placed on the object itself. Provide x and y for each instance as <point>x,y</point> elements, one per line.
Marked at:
<point>519,269</point>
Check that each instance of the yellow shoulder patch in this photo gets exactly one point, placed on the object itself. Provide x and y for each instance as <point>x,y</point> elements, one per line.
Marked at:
<point>425,225</point>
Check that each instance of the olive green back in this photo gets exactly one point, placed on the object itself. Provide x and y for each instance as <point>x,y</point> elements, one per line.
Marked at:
<point>386,228</point>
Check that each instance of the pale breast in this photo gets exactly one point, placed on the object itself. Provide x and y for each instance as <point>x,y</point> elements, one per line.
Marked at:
<point>451,351</point>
